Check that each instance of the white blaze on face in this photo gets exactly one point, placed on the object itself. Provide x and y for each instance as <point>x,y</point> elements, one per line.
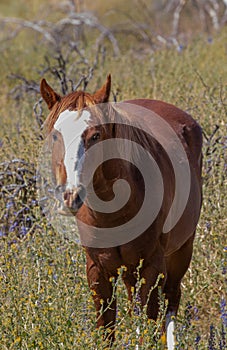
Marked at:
<point>71,126</point>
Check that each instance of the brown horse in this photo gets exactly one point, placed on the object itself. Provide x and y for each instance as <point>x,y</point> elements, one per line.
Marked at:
<point>86,131</point>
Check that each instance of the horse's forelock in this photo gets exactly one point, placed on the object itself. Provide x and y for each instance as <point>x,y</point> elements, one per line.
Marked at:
<point>75,101</point>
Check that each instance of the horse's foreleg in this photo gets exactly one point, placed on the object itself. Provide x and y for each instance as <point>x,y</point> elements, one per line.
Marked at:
<point>149,292</point>
<point>104,300</point>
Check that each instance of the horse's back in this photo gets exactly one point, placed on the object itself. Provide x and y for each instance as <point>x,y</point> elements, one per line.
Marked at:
<point>181,122</point>
<point>190,134</point>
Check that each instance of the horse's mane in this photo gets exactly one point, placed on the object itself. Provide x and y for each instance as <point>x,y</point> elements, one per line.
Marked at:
<point>130,128</point>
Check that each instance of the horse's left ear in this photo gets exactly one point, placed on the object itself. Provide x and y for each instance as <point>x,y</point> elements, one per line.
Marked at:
<point>103,94</point>
<point>48,94</point>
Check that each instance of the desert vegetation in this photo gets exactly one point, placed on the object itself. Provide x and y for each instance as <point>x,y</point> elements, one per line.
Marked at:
<point>169,50</point>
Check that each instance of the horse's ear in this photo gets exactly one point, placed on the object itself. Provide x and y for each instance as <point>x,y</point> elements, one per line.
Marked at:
<point>48,94</point>
<point>103,94</point>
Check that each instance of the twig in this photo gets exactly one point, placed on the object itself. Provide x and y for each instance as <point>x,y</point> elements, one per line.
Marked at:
<point>176,16</point>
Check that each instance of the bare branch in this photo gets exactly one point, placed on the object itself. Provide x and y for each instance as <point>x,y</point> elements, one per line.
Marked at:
<point>176,16</point>
<point>31,25</point>
<point>91,21</point>
<point>25,86</point>
<point>50,31</point>
<point>38,111</point>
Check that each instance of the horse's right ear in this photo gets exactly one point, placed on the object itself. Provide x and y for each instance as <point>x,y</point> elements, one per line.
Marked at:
<point>48,94</point>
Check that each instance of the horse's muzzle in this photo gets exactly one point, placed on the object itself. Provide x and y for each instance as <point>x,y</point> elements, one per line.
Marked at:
<point>72,201</point>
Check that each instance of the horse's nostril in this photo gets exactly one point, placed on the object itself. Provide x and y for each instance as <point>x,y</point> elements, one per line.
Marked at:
<point>74,198</point>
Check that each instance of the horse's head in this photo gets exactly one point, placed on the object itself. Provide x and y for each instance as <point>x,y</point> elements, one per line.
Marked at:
<point>71,132</point>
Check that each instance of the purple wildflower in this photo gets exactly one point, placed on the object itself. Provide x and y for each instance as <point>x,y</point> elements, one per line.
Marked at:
<point>137,309</point>
<point>196,312</point>
<point>223,312</point>
<point>188,315</point>
<point>13,226</point>
<point>2,233</point>
<point>222,342</point>
<point>34,202</point>
<point>211,343</point>
<point>180,48</point>
<point>207,226</point>
<point>55,277</point>
<point>23,230</point>
<point>9,205</point>
<point>197,340</point>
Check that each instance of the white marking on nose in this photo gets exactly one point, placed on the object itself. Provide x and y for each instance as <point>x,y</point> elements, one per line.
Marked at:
<point>71,126</point>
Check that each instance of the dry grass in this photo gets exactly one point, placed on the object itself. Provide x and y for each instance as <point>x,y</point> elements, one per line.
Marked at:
<point>45,302</point>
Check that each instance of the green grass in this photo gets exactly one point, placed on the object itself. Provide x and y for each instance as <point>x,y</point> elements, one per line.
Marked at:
<point>45,302</point>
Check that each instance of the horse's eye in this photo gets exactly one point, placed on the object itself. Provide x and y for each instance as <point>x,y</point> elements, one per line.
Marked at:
<point>55,137</point>
<point>95,137</point>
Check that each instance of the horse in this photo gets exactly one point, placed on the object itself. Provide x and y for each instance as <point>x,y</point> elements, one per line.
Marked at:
<point>80,124</point>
